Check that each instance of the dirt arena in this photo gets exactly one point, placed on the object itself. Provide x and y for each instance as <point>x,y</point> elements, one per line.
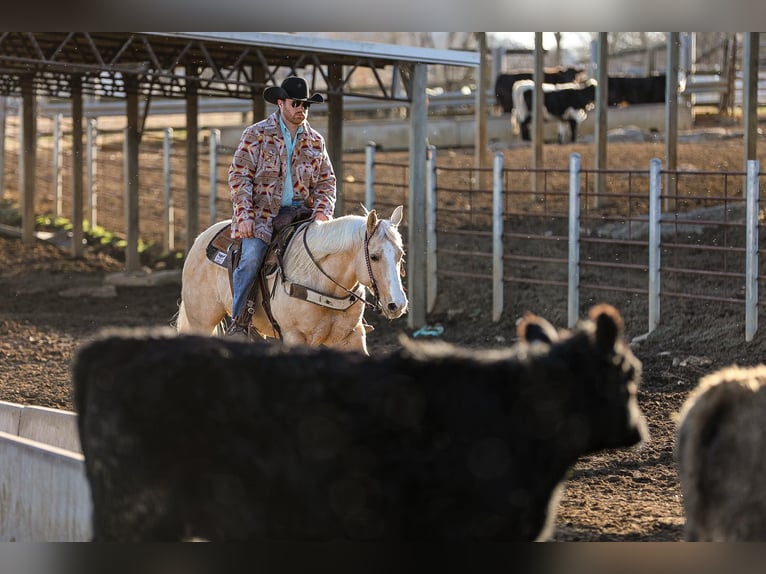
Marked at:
<point>51,304</point>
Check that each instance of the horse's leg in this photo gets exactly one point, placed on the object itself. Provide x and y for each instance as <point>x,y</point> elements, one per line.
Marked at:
<point>294,337</point>
<point>204,289</point>
<point>356,340</point>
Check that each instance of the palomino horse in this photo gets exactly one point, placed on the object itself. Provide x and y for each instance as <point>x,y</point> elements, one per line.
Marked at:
<point>318,294</point>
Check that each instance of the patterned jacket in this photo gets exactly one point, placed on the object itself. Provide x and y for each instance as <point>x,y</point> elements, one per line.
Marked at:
<point>257,174</point>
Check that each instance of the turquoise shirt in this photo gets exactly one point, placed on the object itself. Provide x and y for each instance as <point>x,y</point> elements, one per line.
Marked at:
<point>287,192</point>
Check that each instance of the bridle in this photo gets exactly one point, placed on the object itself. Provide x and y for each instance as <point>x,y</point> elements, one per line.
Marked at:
<point>375,303</point>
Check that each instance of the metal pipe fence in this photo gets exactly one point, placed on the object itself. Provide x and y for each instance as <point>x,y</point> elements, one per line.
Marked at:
<point>502,236</point>
<point>704,249</point>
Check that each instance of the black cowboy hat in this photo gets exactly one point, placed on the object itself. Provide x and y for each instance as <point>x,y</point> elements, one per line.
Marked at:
<point>294,88</point>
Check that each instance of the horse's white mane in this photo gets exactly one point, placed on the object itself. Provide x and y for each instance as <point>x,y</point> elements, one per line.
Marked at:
<point>346,233</point>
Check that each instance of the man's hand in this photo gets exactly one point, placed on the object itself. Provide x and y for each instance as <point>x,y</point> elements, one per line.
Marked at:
<point>246,228</point>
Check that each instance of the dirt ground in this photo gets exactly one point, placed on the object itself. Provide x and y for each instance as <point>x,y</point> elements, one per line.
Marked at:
<point>625,495</point>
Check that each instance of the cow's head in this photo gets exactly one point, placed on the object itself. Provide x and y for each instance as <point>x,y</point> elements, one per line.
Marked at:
<point>605,374</point>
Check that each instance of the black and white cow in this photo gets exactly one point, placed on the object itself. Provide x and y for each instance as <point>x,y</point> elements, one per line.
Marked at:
<point>721,456</point>
<point>631,90</point>
<point>566,103</point>
<point>504,82</point>
<point>203,437</point>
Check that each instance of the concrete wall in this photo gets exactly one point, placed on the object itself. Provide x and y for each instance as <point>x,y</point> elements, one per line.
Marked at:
<point>459,131</point>
<point>44,494</point>
<point>50,426</point>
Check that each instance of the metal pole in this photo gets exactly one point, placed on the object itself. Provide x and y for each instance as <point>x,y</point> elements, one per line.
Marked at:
<point>334,137</point>
<point>168,235</point>
<point>655,238</point>
<point>416,230</point>
<point>3,112</point>
<point>751,249</point>
<point>369,176</point>
<point>671,118</point>
<point>481,150</point>
<point>77,161</point>
<point>750,59</point>
<point>192,176</point>
<point>57,179</point>
<point>497,237</point>
<point>215,139</point>
<point>431,261</point>
<point>28,159</point>
<point>574,240</point>
<point>132,256</point>
<point>90,143</point>
<point>538,177</point>
<point>602,117</point>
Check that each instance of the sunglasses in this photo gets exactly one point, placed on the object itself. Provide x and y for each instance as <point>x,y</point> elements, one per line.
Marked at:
<point>299,103</point>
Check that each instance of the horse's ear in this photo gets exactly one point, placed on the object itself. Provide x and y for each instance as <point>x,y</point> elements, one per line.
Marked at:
<point>396,216</point>
<point>372,222</point>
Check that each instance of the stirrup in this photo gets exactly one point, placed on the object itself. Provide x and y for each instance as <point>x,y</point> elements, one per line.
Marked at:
<point>236,329</point>
<point>240,325</point>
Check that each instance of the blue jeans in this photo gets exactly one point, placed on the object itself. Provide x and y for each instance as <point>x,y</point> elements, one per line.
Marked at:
<point>252,253</point>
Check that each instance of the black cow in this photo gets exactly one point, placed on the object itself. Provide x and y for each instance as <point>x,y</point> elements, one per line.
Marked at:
<point>202,437</point>
<point>504,82</point>
<point>629,90</point>
<point>567,103</point>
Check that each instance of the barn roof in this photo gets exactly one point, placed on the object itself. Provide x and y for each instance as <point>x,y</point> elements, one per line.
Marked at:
<point>234,64</point>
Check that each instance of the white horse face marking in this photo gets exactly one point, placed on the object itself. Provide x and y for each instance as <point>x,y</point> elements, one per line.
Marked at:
<point>386,261</point>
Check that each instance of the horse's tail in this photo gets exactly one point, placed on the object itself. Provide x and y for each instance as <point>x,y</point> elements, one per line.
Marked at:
<point>180,321</point>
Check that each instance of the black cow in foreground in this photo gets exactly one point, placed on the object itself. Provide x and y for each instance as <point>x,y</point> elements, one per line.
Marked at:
<point>202,437</point>
<point>567,103</point>
<point>721,456</point>
<point>504,82</point>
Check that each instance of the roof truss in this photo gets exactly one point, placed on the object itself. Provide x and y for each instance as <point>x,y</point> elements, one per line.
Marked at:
<point>166,65</point>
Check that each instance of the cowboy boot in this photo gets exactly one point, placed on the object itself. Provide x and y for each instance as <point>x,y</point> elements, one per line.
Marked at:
<point>240,326</point>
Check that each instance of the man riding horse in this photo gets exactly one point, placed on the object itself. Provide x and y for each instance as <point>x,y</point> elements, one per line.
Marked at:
<point>281,165</point>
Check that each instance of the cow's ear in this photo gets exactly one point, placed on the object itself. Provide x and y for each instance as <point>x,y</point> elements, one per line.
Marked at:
<point>533,328</point>
<point>609,325</point>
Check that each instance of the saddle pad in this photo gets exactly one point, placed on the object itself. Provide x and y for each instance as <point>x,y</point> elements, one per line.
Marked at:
<point>220,248</point>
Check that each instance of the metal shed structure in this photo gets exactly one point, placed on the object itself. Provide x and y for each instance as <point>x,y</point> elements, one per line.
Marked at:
<point>140,66</point>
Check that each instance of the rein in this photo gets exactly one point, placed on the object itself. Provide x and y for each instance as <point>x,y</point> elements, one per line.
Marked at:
<point>375,306</point>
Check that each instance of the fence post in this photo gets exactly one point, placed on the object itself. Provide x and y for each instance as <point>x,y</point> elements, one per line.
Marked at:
<point>574,240</point>
<point>497,237</point>
<point>369,176</point>
<point>215,139</point>
<point>168,239</point>
<point>91,152</point>
<point>431,262</point>
<point>3,113</point>
<point>751,249</point>
<point>57,175</point>
<point>655,238</point>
